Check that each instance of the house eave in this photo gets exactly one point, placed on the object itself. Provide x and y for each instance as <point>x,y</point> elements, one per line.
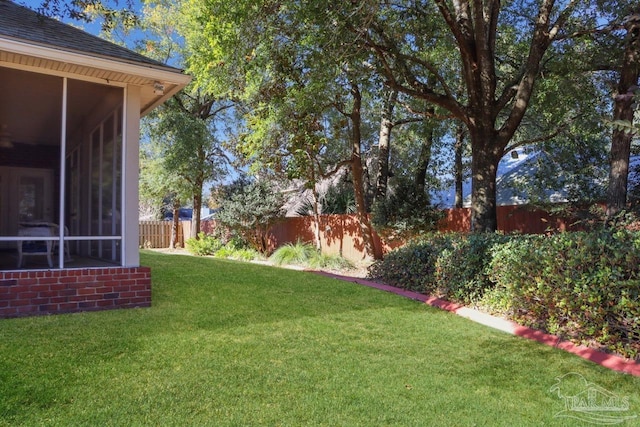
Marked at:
<point>105,69</point>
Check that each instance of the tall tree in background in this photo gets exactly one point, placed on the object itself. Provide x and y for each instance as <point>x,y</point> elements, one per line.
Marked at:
<point>112,13</point>
<point>161,190</point>
<point>499,74</point>
<point>623,111</point>
<point>277,58</point>
<point>186,130</point>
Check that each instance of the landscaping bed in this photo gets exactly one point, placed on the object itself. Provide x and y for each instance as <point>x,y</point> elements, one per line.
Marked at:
<point>581,286</point>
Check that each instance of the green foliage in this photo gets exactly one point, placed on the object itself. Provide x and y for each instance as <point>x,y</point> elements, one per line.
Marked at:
<point>239,253</point>
<point>207,244</point>
<point>461,267</point>
<point>412,266</point>
<point>583,286</point>
<point>305,254</point>
<point>405,213</point>
<point>338,199</point>
<point>451,265</point>
<point>330,262</point>
<point>249,210</point>
<point>203,245</point>
<point>293,253</point>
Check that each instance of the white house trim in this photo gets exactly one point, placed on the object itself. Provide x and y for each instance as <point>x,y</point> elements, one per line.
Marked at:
<point>94,61</point>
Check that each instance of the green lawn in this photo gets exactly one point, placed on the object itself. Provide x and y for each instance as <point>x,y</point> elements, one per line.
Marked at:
<point>228,343</point>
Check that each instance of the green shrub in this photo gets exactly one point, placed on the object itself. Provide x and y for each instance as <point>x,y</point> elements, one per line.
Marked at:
<point>412,266</point>
<point>298,254</point>
<point>461,267</point>
<point>332,262</point>
<point>224,252</point>
<point>234,250</point>
<point>451,266</point>
<point>246,254</point>
<point>204,245</point>
<point>582,286</point>
<point>249,209</point>
<point>305,254</point>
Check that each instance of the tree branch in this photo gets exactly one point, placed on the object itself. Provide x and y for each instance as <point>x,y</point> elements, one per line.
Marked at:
<point>335,170</point>
<point>539,139</point>
<point>541,40</point>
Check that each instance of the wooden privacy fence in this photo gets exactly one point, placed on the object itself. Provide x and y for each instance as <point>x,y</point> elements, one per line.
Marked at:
<point>340,234</point>
<point>157,234</point>
<point>511,219</point>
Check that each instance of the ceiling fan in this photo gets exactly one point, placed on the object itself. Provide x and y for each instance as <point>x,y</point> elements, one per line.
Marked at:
<point>5,138</point>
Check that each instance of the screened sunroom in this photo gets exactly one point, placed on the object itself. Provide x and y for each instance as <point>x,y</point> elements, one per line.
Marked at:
<point>61,171</point>
<point>70,108</point>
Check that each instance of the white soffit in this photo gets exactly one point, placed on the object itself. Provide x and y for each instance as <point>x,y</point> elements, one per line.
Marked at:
<point>18,54</point>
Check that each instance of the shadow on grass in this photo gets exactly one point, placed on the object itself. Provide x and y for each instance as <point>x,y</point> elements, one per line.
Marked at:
<point>230,343</point>
<point>212,293</point>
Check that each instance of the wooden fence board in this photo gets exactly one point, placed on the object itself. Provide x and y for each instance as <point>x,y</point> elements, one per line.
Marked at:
<point>340,234</point>
<point>157,234</point>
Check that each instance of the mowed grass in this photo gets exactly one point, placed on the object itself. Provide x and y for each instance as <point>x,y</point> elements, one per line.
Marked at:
<point>235,344</point>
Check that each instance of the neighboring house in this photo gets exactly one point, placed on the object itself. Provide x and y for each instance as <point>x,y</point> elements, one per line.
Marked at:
<point>186,214</point>
<point>518,168</point>
<point>70,107</point>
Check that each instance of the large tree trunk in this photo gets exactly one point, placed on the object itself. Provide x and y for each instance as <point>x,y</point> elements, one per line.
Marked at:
<point>623,110</point>
<point>316,217</point>
<point>384,143</point>
<point>195,218</point>
<point>485,156</point>
<point>357,175</point>
<point>176,223</point>
<point>458,149</point>
<point>424,160</point>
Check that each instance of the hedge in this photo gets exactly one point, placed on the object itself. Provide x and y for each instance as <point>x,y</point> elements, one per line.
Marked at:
<point>582,286</point>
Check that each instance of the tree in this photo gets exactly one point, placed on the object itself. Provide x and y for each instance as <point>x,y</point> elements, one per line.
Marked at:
<point>425,50</point>
<point>623,111</point>
<point>161,189</point>
<point>277,63</point>
<point>498,74</point>
<point>249,209</point>
<point>111,12</point>
<point>184,130</point>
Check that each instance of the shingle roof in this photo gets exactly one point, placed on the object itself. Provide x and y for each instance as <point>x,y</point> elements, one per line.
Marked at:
<point>20,23</point>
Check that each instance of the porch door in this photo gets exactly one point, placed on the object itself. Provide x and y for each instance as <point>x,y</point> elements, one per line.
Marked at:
<point>26,195</point>
<point>34,195</point>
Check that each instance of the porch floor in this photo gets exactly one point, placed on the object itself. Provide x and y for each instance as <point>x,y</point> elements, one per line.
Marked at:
<point>9,262</point>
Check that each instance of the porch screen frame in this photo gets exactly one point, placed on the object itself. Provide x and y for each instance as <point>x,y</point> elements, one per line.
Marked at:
<point>62,238</point>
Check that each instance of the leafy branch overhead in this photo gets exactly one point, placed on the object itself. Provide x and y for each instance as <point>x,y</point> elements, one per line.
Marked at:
<point>408,90</point>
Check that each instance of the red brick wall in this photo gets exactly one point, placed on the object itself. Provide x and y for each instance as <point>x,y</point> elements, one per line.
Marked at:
<point>28,293</point>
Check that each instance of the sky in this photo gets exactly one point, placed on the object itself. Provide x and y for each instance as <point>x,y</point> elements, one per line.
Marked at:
<point>90,27</point>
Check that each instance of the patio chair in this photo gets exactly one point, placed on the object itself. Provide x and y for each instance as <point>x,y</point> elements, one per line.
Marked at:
<point>35,247</point>
<point>55,231</point>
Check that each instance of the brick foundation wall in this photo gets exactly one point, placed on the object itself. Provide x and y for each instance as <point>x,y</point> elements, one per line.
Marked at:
<point>30,293</point>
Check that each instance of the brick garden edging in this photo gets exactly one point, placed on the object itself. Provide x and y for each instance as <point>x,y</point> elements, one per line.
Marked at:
<point>613,362</point>
<point>36,292</point>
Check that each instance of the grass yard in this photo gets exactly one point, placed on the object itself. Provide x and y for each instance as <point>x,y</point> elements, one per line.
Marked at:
<point>234,344</point>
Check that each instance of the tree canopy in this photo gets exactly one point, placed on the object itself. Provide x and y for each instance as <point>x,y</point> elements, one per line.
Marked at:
<point>509,59</point>
<point>318,86</point>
